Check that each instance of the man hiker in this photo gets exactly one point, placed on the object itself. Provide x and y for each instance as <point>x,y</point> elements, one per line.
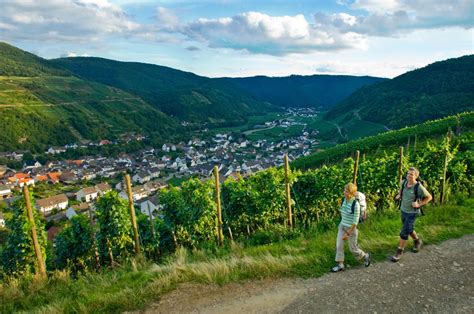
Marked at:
<point>413,195</point>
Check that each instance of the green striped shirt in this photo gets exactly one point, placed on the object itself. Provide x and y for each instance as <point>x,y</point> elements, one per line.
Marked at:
<point>349,219</point>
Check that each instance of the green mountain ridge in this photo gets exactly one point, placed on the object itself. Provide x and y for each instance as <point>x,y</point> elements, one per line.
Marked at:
<point>318,91</point>
<point>16,62</point>
<point>435,91</point>
<point>38,112</point>
<point>42,104</point>
<point>55,102</point>
<point>180,94</point>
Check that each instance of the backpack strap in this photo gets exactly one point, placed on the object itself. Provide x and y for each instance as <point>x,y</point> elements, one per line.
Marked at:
<point>417,196</point>
<point>417,185</point>
<point>353,206</point>
<point>404,184</point>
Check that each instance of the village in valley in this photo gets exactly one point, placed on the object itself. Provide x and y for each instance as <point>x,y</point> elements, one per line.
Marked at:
<point>65,188</point>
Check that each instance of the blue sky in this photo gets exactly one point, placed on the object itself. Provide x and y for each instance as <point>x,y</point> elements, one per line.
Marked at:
<point>245,38</point>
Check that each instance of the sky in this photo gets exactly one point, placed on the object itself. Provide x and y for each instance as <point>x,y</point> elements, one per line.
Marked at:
<point>231,38</point>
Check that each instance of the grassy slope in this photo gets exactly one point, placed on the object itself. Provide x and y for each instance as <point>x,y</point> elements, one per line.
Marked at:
<point>132,286</point>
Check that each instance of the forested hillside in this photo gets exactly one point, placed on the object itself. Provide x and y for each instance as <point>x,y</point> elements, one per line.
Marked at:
<point>16,62</point>
<point>318,91</point>
<point>42,105</point>
<point>437,90</point>
<point>38,112</point>
<point>181,94</point>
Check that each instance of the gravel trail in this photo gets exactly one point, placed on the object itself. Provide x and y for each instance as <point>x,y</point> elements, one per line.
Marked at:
<point>438,279</point>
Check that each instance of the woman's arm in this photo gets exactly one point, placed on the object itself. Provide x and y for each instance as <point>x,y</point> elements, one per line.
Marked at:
<point>351,229</point>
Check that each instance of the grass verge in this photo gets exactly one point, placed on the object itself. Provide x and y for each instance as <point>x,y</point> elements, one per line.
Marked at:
<point>134,285</point>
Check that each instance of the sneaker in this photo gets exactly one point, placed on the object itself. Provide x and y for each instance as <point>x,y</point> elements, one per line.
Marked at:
<point>418,244</point>
<point>397,256</point>
<point>367,260</point>
<point>337,268</point>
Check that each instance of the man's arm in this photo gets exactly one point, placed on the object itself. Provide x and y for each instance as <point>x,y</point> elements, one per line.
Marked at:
<point>426,199</point>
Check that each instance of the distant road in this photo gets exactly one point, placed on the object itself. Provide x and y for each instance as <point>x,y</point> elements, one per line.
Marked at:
<point>256,130</point>
<point>72,103</point>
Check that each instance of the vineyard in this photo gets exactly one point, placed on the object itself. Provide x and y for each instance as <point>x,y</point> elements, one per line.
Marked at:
<point>267,207</point>
<point>457,123</point>
<point>120,249</point>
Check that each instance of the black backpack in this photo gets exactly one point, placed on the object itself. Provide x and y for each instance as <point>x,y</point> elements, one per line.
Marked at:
<point>416,190</point>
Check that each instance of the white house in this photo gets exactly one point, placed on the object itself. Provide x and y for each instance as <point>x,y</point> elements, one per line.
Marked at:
<point>138,193</point>
<point>154,172</point>
<point>46,205</point>
<point>28,181</point>
<point>141,177</point>
<point>70,212</point>
<point>89,175</point>
<point>161,165</point>
<point>150,205</point>
<point>31,165</point>
<point>103,188</point>
<point>5,192</point>
<point>87,194</point>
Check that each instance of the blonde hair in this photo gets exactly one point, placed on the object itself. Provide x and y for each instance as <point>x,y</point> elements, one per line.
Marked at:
<point>351,189</point>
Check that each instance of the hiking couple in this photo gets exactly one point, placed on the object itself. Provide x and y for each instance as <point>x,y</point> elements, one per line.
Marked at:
<point>412,196</point>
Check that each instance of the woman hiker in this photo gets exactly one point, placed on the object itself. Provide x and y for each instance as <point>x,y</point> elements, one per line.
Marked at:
<point>350,211</point>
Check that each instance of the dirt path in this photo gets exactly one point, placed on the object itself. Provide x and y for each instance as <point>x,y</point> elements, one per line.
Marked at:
<point>438,279</point>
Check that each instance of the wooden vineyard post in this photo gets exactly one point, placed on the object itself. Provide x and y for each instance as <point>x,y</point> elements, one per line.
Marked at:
<point>414,144</point>
<point>132,214</point>
<point>287,190</point>
<point>31,220</point>
<point>356,167</point>
<point>94,242</point>
<point>152,227</point>
<point>400,166</point>
<point>109,251</point>
<point>230,234</point>
<point>442,195</point>
<point>220,235</point>
<point>408,146</point>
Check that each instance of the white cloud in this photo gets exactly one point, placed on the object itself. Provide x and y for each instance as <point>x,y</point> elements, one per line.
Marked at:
<point>166,18</point>
<point>377,6</point>
<point>374,68</point>
<point>393,17</point>
<point>74,54</point>
<point>275,35</point>
<point>70,20</point>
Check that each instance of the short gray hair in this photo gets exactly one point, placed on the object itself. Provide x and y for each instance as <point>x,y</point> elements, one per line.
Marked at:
<point>416,171</point>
